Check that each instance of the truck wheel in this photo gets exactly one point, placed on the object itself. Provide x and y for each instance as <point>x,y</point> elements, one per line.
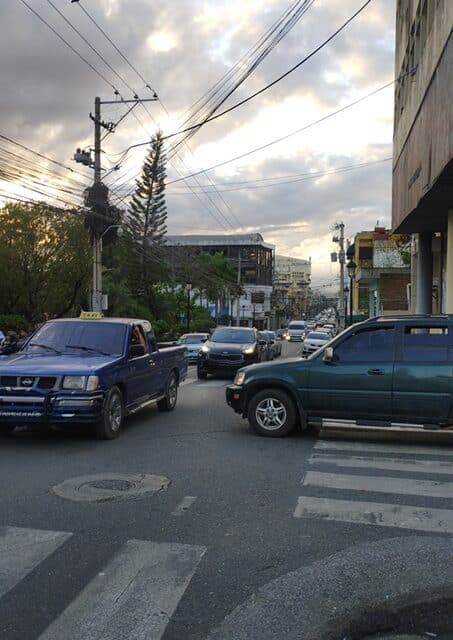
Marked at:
<point>271,412</point>
<point>6,429</point>
<point>111,422</point>
<point>201,375</point>
<point>171,395</point>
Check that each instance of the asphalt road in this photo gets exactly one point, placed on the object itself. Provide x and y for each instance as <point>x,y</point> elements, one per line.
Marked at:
<point>233,536</point>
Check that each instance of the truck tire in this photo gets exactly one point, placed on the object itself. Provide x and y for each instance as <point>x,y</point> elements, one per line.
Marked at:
<point>201,375</point>
<point>271,412</point>
<point>171,394</point>
<point>6,429</point>
<point>111,423</point>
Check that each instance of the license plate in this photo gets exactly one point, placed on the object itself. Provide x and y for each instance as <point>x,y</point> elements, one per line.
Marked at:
<point>21,414</point>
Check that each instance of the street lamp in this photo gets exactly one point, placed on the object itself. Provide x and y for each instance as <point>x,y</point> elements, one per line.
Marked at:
<point>351,267</point>
<point>188,289</point>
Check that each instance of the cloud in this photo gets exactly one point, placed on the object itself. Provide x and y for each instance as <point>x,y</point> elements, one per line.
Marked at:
<point>182,49</point>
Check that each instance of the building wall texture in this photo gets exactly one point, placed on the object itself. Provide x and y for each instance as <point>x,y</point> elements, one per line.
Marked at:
<point>423,131</point>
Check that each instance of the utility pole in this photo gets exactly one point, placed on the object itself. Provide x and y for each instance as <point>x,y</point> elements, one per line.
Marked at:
<point>238,322</point>
<point>96,294</point>
<point>341,257</point>
<point>98,194</point>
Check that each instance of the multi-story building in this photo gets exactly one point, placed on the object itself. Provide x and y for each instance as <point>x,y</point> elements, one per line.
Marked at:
<point>253,260</point>
<point>292,278</point>
<point>423,148</point>
<point>382,274</point>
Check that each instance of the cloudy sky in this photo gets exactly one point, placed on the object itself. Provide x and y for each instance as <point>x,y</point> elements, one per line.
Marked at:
<point>182,48</point>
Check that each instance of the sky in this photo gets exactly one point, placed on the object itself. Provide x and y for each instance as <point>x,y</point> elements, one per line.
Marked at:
<point>182,48</point>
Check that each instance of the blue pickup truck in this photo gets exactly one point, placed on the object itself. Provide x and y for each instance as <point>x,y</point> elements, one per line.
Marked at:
<point>95,370</point>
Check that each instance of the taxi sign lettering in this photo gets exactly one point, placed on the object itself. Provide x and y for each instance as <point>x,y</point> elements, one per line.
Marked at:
<point>91,315</point>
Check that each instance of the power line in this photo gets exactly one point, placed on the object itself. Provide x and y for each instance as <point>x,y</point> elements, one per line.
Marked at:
<point>297,178</point>
<point>79,55</point>
<point>293,133</point>
<point>266,87</point>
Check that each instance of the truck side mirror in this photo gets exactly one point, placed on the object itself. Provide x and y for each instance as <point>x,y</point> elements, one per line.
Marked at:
<point>328,354</point>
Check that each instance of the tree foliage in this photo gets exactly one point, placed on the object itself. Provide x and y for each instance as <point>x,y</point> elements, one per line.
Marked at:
<point>44,261</point>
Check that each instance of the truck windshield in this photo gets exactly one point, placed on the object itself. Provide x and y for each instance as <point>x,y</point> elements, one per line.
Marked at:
<point>230,335</point>
<point>297,325</point>
<point>96,338</point>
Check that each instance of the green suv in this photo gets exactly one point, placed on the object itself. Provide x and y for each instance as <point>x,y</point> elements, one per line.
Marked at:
<point>383,371</point>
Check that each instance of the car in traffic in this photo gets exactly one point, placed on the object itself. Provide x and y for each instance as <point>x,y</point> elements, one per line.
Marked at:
<point>331,327</point>
<point>385,372</point>
<point>269,349</point>
<point>296,330</point>
<point>91,370</point>
<point>193,343</point>
<point>313,341</point>
<point>282,334</point>
<point>276,343</point>
<point>230,348</point>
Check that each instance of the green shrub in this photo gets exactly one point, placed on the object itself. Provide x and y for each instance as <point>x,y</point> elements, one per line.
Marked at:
<point>13,323</point>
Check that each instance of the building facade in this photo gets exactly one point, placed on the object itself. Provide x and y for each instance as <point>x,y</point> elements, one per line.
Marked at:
<point>381,282</point>
<point>292,277</point>
<point>423,148</point>
<point>253,260</point>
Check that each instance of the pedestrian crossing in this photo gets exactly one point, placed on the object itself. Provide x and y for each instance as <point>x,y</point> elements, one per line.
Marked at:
<point>133,596</point>
<point>394,470</point>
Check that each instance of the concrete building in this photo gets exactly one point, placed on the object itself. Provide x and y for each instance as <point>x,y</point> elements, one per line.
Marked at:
<point>253,260</point>
<point>292,277</point>
<point>382,277</point>
<point>423,148</point>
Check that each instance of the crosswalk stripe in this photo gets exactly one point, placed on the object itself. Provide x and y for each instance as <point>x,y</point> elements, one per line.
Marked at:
<point>328,445</point>
<point>375,513</point>
<point>384,464</point>
<point>22,550</point>
<point>377,484</point>
<point>133,597</point>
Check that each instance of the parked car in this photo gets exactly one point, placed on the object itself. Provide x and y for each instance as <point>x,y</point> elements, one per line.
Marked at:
<point>90,370</point>
<point>276,343</point>
<point>296,330</point>
<point>269,350</point>
<point>193,342</point>
<point>230,348</point>
<point>382,372</point>
<point>313,341</point>
<point>332,328</point>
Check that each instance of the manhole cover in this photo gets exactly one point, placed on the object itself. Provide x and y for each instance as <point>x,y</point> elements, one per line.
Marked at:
<point>106,487</point>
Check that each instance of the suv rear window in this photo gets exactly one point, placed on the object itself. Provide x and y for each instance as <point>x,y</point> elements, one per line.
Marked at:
<point>427,344</point>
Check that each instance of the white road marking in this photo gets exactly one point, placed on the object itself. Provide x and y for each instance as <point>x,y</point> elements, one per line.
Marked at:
<point>134,597</point>
<point>375,513</point>
<point>385,464</point>
<point>186,382</point>
<point>22,550</point>
<point>328,445</point>
<point>406,486</point>
<point>184,505</point>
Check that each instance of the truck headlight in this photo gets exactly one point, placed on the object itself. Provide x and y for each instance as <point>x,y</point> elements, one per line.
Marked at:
<point>74,382</point>
<point>239,378</point>
<point>92,383</point>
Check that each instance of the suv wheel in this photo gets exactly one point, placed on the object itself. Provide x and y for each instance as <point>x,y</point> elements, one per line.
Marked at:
<point>171,395</point>
<point>271,412</point>
<point>111,422</point>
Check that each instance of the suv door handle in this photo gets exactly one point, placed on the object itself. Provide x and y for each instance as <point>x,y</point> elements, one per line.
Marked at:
<point>152,362</point>
<point>375,372</point>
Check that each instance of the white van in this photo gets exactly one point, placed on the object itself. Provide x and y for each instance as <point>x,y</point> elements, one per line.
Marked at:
<point>296,330</point>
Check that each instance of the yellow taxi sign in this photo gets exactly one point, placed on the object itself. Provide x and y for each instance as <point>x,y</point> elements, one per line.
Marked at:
<point>91,315</point>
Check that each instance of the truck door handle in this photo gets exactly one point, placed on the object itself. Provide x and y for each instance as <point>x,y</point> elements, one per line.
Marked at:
<point>375,372</point>
<point>151,362</point>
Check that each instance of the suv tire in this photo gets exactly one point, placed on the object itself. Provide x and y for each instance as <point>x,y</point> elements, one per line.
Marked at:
<point>271,412</point>
<point>111,423</point>
<point>171,394</point>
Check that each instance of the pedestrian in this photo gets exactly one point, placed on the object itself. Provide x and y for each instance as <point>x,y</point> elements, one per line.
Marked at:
<point>10,344</point>
<point>2,336</point>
